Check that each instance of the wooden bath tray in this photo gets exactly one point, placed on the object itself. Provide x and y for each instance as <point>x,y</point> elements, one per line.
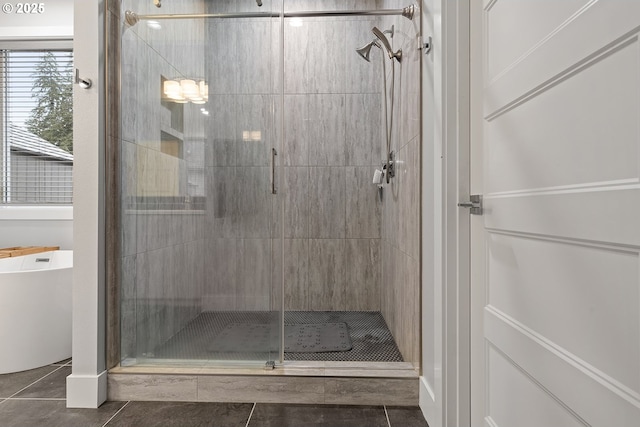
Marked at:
<point>25,250</point>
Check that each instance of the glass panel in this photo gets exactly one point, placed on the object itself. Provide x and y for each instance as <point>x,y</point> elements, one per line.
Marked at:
<point>351,245</point>
<point>201,280</point>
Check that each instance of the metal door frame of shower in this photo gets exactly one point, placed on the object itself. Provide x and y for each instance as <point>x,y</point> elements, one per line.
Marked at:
<point>408,12</point>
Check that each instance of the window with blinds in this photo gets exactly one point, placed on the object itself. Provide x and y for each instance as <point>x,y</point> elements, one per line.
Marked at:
<point>36,127</point>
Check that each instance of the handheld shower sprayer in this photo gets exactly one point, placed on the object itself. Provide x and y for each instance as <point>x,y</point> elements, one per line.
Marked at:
<point>388,166</point>
<point>385,42</point>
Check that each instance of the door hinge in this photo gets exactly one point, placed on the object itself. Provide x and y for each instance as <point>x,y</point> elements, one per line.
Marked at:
<point>474,203</point>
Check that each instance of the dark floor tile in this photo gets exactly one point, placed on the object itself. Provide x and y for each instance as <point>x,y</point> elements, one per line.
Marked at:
<point>53,413</point>
<point>182,414</point>
<point>406,417</point>
<point>62,362</point>
<point>289,415</point>
<point>12,383</point>
<point>52,386</point>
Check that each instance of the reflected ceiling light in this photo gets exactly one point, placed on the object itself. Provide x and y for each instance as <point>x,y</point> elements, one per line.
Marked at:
<point>186,90</point>
<point>251,135</point>
<point>155,25</point>
<point>172,90</point>
<point>189,88</point>
<point>296,22</point>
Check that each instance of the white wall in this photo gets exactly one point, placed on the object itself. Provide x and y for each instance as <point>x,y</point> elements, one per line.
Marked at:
<point>444,384</point>
<point>26,225</point>
<point>431,380</point>
<point>36,226</point>
<point>55,21</point>
<point>87,385</point>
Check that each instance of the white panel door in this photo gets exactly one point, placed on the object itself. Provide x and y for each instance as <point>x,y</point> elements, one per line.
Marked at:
<point>555,259</point>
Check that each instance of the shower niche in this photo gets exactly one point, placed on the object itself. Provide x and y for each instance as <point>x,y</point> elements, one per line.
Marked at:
<point>251,229</point>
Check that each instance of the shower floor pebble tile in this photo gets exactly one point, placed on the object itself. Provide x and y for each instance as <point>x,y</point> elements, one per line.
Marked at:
<point>371,339</point>
<point>36,398</point>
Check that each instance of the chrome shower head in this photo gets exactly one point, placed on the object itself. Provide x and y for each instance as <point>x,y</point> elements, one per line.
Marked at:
<point>365,50</point>
<point>380,35</point>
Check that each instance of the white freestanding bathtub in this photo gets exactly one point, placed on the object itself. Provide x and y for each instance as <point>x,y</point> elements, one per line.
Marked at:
<point>35,310</point>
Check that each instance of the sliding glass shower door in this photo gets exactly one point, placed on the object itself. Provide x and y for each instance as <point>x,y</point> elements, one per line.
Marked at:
<point>200,169</point>
<point>252,135</point>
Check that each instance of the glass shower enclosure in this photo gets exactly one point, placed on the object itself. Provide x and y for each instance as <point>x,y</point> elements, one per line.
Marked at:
<point>250,133</point>
<point>200,145</point>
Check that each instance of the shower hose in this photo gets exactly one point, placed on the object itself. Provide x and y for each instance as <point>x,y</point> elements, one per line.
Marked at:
<point>388,121</point>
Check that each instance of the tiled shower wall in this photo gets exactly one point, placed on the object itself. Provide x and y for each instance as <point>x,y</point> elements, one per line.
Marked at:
<point>347,245</point>
<point>241,63</point>
<point>331,145</point>
<point>401,200</point>
<point>162,244</point>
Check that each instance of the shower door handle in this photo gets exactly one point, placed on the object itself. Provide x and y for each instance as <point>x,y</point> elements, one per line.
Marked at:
<point>274,153</point>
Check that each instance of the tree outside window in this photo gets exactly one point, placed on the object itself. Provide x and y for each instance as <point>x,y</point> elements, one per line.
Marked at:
<point>52,118</point>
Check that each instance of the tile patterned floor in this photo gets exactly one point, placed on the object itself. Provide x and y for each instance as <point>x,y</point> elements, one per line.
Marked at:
<point>36,398</point>
<point>371,338</point>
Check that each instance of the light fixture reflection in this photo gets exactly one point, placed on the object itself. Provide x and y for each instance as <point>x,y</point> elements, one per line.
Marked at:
<point>155,25</point>
<point>186,90</point>
<point>251,135</point>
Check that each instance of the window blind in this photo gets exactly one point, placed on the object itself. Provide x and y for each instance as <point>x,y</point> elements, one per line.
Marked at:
<point>36,127</point>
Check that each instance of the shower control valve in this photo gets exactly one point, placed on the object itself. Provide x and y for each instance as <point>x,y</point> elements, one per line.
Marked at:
<point>388,167</point>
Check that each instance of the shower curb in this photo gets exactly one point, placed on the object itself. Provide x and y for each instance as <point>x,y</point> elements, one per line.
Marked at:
<point>333,385</point>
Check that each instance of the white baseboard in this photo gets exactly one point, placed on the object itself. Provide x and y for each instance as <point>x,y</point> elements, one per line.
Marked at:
<point>431,408</point>
<point>86,391</point>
